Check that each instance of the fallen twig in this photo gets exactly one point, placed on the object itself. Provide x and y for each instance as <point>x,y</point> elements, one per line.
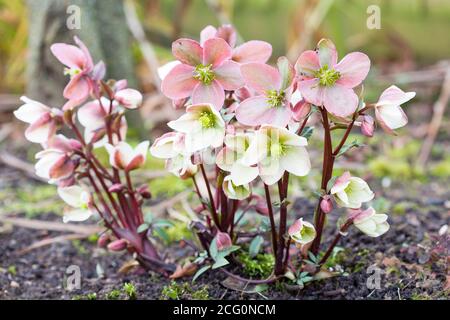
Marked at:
<point>17,163</point>
<point>49,241</point>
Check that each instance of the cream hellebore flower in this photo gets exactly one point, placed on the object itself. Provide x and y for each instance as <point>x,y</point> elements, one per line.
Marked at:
<point>171,146</point>
<point>388,112</point>
<point>79,199</point>
<point>123,156</point>
<point>203,126</point>
<point>371,223</point>
<point>235,192</point>
<point>230,159</point>
<point>302,232</point>
<point>276,150</point>
<point>129,98</point>
<point>351,192</point>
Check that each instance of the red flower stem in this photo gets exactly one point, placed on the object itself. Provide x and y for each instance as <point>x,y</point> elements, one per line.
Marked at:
<point>139,219</point>
<point>336,239</point>
<point>344,138</point>
<point>272,220</point>
<point>211,199</point>
<point>232,214</point>
<point>300,130</point>
<point>283,184</point>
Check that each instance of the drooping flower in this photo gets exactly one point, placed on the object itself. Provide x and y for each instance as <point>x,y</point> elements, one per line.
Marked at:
<point>302,232</point>
<point>325,82</point>
<point>122,156</point>
<point>274,86</point>
<point>326,205</point>
<point>230,159</point>
<point>203,126</point>
<point>80,200</point>
<point>42,119</point>
<point>250,51</point>
<point>55,163</point>
<point>276,150</point>
<point>351,192</point>
<point>388,112</point>
<point>236,192</point>
<point>367,126</point>
<point>204,73</point>
<point>223,241</point>
<point>369,222</point>
<point>129,98</point>
<point>79,65</point>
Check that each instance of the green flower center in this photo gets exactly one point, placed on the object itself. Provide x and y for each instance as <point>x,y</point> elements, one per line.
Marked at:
<point>84,206</point>
<point>275,98</point>
<point>277,149</point>
<point>205,74</point>
<point>327,77</point>
<point>207,119</point>
<point>71,72</point>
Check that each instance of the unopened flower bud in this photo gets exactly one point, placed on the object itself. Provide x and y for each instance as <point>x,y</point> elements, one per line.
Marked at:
<point>103,240</point>
<point>129,98</point>
<point>301,110</point>
<point>179,103</point>
<point>326,205</point>
<point>223,241</point>
<point>261,205</point>
<point>117,187</point>
<point>144,192</point>
<point>367,126</point>
<point>117,245</point>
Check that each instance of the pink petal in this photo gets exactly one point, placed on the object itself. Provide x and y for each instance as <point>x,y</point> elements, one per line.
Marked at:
<point>227,33</point>
<point>77,89</point>
<point>256,111</point>
<point>395,96</point>
<point>179,82</point>
<point>327,53</point>
<point>340,101</point>
<point>207,33</point>
<point>261,77</point>
<point>69,55</point>
<point>187,51</point>
<point>354,68</point>
<point>135,163</point>
<point>212,93</point>
<point>307,63</point>
<point>229,75</point>
<point>252,51</point>
<point>62,168</point>
<point>216,51</point>
<point>40,130</point>
<point>89,64</point>
<point>92,115</point>
<point>286,71</point>
<point>311,91</point>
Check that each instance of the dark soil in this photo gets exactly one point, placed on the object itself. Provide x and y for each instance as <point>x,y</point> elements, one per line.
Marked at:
<point>412,259</point>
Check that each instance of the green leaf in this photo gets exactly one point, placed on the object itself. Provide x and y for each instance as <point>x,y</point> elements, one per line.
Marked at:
<point>348,146</point>
<point>148,218</point>
<point>162,234</point>
<point>220,263</point>
<point>163,223</point>
<point>312,257</point>
<point>200,271</point>
<point>213,249</point>
<point>255,246</point>
<point>307,132</point>
<point>143,227</point>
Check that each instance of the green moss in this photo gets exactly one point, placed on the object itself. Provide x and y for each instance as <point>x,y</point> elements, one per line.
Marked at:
<point>80,247</point>
<point>179,231</point>
<point>420,296</point>
<point>113,295</point>
<point>89,296</point>
<point>179,291</point>
<point>260,266</point>
<point>169,185</point>
<point>130,290</point>
<point>441,169</point>
<point>12,270</point>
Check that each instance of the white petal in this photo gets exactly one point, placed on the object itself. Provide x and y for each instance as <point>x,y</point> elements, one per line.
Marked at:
<point>77,215</point>
<point>73,196</point>
<point>31,110</point>
<point>296,161</point>
<point>241,174</point>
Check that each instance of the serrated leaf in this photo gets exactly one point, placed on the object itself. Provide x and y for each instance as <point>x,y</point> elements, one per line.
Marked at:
<point>255,246</point>
<point>200,271</point>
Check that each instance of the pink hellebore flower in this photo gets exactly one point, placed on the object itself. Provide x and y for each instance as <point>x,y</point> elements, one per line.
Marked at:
<point>369,222</point>
<point>272,106</point>
<point>388,112</point>
<point>204,73</point>
<point>123,156</point>
<point>129,98</point>
<point>55,162</point>
<point>367,126</point>
<point>302,232</point>
<point>325,82</point>
<point>79,65</point>
<point>223,241</point>
<point>251,51</point>
<point>43,120</point>
<point>351,192</point>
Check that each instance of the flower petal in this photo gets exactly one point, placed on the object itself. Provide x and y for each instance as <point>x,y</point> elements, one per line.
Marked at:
<point>92,115</point>
<point>31,111</point>
<point>208,32</point>
<point>340,101</point>
<point>395,96</point>
<point>252,51</point>
<point>216,51</point>
<point>391,117</point>
<point>72,195</point>
<point>353,68</point>
<point>307,63</point>
<point>77,89</point>
<point>164,70</point>
<point>227,33</point>
<point>254,111</point>
<point>77,215</point>
<point>311,91</point>
<point>228,74</point>
<point>69,55</point>
<point>261,77</point>
<point>211,93</point>
<point>296,161</point>
<point>187,51</point>
<point>287,72</point>
<point>40,130</point>
<point>327,53</point>
<point>241,174</point>
<point>179,82</point>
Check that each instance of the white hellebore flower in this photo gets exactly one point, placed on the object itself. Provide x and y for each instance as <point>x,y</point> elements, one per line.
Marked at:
<point>276,150</point>
<point>129,98</point>
<point>351,192</point>
<point>388,112</point>
<point>123,156</point>
<point>79,199</point>
<point>371,223</point>
<point>230,159</point>
<point>302,232</point>
<point>170,146</point>
<point>235,192</point>
<point>203,126</point>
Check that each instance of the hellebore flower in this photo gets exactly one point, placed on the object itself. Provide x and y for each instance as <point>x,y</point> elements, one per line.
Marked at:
<point>230,159</point>
<point>171,146</point>
<point>351,192</point>
<point>79,199</point>
<point>302,232</point>
<point>43,120</point>
<point>55,162</point>
<point>79,65</point>
<point>251,51</point>
<point>276,150</point>
<point>274,86</point>
<point>326,205</point>
<point>325,82</point>
<point>204,73</point>
<point>388,112</point>
<point>367,126</point>
<point>235,192</point>
<point>129,98</point>
<point>371,223</point>
<point>122,156</point>
<point>203,126</point>
<point>223,241</point>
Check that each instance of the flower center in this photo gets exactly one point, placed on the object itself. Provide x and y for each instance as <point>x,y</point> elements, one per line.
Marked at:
<point>275,98</point>
<point>71,71</point>
<point>204,74</point>
<point>207,119</point>
<point>277,149</point>
<point>327,77</point>
<point>84,206</point>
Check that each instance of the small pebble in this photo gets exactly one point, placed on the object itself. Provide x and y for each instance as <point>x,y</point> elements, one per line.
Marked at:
<point>14,284</point>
